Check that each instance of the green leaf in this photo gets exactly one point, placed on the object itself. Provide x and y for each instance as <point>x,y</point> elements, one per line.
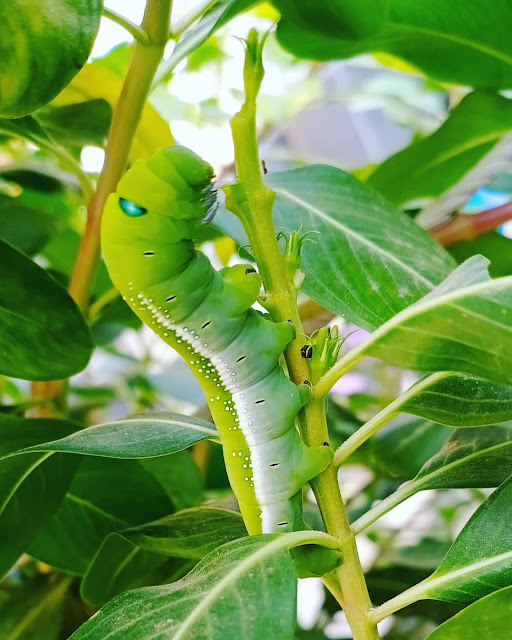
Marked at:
<point>145,435</point>
<point>478,562</point>
<point>120,565</point>
<point>341,18</point>
<point>465,325</point>
<point>405,445</point>
<point>480,559</point>
<point>433,165</point>
<point>470,458</point>
<point>375,260</point>
<point>227,595</point>
<point>140,556</point>
<point>220,14</point>
<point>34,612</point>
<point>461,401</point>
<point>77,125</point>
<point>461,41</point>
<point>105,496</point>
<point>487,619</point>
<point>191,533</point>
<point>42,46</point>
<point>31,487</point>
<point>44,335</point>
<point>24,227</point>
<point>102,79</point>
<point>494,246</point>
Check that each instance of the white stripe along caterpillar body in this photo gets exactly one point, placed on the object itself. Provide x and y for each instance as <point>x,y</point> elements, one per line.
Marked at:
<point>206,315</point>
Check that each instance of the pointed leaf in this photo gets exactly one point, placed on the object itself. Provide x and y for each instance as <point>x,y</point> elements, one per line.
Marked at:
<point>141,555</point>
<point>461,401</point>
<point>138,436</point>
<point>487,619</point>
<point>121,565</point>
<point>191,533</point>
<point>480,560</point>
<point>431,166</point>
<point>105,496</point>
<point>460,41</point>
<point>227,595</point>
<point>32,486</point>
<point>470,458</point>
<point>464,325</point>
<point>44,336</point>
<point>42,46</point>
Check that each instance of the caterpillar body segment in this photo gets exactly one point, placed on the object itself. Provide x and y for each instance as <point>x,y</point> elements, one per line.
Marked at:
<point>206,315</point>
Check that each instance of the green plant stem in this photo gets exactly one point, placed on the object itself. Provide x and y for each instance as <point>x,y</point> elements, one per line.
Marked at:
<point>137,32</point>
<point>98,305</point>
<point>252,201</point>
<point>383,417</point>
<point>143,65</point>
<point>405,491</point>
<point>126,117</point>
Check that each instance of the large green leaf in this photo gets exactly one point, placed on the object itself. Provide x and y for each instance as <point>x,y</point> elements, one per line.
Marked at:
<point>480,559</point>
<point>139,436</point>
<point>244,588</point>
<point>478,563</point>
<point>429,167</point>
<point>105,496</point>
<point>486,619</point>
<point>80,124</point>
<point>462,41</point>
<point>465,325</point>
<point>368,261</point>
<point>32,486</point>
<point>141,555</point>
<point>469,458</point>
<point>121,565</point>
<point>191,533</point>
<point>42,46</point>
<point>461,401</point>
<point>34,611</point>
<point>44,336</point>
<point>341,18</point>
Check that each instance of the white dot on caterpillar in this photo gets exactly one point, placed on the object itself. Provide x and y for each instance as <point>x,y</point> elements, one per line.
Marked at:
<point>233,454</point>
<point>239,453</point>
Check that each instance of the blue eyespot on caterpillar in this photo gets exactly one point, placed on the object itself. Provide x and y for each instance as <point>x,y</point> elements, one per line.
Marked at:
<point>131,209</point>
<point>207,317</point>
<point>306,351</point>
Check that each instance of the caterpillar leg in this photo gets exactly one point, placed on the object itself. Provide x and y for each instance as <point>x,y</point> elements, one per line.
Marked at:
<point>241,287</point>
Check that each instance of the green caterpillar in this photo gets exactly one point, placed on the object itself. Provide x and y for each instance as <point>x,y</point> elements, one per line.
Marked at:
<point>206,315</point>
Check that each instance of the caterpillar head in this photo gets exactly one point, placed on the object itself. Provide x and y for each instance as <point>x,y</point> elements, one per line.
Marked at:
<point>169,194</point>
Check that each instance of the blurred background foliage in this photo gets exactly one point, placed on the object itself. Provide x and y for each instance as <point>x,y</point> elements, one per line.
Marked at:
<point>353,114</point>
